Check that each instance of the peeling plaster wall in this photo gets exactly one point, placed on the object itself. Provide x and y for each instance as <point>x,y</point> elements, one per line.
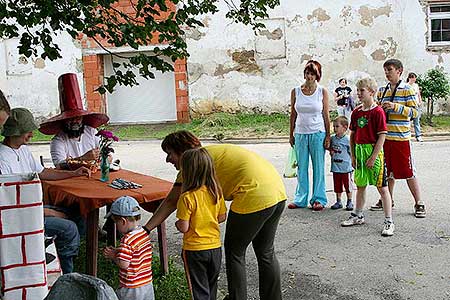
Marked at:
<point>350,38</point>
<point>33,82</point>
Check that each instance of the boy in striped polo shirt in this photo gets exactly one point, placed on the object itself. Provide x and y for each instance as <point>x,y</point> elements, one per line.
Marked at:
<point>399,102</point>
<point>134,254</point>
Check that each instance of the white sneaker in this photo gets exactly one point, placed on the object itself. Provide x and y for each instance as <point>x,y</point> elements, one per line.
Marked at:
<point>353,220</point>
<point>388,229</point>
<point>419,139</point>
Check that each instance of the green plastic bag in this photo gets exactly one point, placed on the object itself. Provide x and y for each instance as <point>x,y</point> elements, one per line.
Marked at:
<point>290,170</point>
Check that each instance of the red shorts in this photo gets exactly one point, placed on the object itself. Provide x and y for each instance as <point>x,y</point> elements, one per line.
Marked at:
<point>342,180</point>
<point>399,161</point>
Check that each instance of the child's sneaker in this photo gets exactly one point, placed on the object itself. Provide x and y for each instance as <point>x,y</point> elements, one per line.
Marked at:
<point>349,205</point>
<point>337,205</point>
<point>377,206</point>
<point>353,220</point>
<point>419,211</point>
<point>388,229</point>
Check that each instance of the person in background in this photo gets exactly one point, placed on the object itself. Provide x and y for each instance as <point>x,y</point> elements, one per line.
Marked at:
<point>412,77</point>
<point>310,136</point>
<point>341,163</point>
<point>200,209</point>
<point>368,132</point>
<point>134,254</point>
<point>342,96</point>
<point>16,158</point>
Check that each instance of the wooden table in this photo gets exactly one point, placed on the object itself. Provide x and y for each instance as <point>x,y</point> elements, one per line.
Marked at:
<point>90,194</point>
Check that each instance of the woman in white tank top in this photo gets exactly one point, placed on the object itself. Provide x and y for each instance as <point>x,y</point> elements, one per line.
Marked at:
<point>310,136</point>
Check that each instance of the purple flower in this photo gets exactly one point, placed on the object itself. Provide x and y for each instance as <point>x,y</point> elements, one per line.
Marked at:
<point>105,134</point>
<point>115,138</point>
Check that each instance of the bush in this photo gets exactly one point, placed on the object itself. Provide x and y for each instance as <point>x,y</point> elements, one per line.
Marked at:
<point>434,85</point>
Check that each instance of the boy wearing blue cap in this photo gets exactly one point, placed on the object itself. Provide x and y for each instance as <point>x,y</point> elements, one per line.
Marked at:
<point>134,254</point>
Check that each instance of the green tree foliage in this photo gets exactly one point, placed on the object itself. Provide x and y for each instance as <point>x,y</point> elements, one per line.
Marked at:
<point>434,85</point>
<point>36,23</point>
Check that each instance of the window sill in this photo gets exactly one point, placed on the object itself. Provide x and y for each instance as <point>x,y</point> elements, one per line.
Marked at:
<point>438,48</point>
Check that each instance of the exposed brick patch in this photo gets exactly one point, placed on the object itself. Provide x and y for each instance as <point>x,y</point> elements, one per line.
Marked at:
<point>93,78</point>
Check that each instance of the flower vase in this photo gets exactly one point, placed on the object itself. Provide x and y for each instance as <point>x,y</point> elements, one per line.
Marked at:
<point>104,168</point>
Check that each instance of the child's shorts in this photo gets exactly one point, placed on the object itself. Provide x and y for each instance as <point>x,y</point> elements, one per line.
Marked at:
<point>399,162</point>
<point>342,181</point>
<point>365,176</point>
<point>144,292</point>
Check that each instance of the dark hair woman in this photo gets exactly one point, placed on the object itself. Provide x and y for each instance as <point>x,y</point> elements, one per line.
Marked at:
<point>258,198</point>
<point>310,136</point>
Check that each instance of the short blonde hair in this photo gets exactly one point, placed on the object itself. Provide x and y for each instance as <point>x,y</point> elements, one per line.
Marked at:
<point>367,82</point>
<point>341,120</point>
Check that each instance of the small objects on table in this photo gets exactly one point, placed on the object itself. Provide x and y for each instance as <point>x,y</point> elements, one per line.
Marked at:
<point>122,184</point>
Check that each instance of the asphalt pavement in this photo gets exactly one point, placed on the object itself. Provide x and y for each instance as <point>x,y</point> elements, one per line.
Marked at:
<point>321,260</point>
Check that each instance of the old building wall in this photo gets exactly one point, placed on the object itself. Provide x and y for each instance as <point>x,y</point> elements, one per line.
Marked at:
<point>33,82</point>
<point>231,68</point>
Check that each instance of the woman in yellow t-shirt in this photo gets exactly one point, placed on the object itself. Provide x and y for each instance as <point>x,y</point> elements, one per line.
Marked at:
<point>258,198</point>
<point>200,209</point>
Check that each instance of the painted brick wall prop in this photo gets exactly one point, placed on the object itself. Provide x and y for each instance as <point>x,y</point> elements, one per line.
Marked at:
<point>22,254</point>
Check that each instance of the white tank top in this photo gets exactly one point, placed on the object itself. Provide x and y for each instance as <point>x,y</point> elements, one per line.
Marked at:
<point>309,111</point>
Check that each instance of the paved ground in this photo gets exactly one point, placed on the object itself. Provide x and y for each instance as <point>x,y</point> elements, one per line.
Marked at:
<point>321,260</point>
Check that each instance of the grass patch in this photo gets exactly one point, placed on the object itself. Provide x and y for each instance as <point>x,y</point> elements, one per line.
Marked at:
<point>226,126</point>
<point>171,286</point>
<point>218,125</point>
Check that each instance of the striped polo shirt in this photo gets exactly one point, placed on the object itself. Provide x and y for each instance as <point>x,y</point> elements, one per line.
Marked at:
<point>405,108</point>
<point>135,247</point>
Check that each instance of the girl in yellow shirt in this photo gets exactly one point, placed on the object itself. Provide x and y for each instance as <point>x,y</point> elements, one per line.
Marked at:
<point>200,209</point>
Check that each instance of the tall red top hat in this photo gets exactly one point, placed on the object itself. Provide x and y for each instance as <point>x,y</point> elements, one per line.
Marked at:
<point>71,106</point>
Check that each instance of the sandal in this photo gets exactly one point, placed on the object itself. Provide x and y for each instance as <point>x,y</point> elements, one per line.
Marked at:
<point>317,206</point>
<point>293,206</point>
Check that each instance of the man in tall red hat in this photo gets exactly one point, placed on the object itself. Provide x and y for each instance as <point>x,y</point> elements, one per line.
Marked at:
<point>74,128</point>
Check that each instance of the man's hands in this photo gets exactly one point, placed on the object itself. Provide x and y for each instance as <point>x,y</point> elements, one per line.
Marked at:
<point>82,171</point>
<point>91,154</point>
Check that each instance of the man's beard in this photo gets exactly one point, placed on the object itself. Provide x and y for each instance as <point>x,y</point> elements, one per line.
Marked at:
<point>73,131</point>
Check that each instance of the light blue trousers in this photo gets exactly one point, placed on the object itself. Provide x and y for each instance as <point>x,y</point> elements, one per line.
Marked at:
<point>416,122</point>
<point>307,145</point>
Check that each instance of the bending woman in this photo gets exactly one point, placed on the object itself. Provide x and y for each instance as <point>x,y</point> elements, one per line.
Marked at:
<point>310,136</point>
<point>259,197</point>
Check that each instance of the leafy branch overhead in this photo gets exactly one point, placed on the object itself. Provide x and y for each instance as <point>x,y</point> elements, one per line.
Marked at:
<point>36,23</point>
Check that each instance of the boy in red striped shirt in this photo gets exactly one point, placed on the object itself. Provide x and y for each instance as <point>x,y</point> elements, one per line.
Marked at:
<point>134,254</point>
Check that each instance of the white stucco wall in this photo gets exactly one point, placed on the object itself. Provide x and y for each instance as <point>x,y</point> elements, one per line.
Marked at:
<point>230,68</point>
<point>33,82</point>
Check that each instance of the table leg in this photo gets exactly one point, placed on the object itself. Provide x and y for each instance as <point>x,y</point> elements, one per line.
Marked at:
<point>110,228</point>
<point>92,243</point>
<point>162,240</point>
